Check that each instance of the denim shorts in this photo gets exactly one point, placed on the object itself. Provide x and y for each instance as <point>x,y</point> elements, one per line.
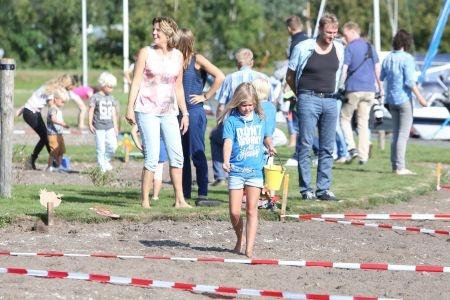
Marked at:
<point>236,182</point>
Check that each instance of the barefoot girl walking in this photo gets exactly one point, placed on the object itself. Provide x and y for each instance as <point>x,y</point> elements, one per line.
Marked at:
<point>245,134</point>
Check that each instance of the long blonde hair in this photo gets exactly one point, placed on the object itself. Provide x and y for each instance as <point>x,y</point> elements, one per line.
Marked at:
<point>186,45</point>
<point>243,93</point>
<point>64,81</point>
<point>170,28</point>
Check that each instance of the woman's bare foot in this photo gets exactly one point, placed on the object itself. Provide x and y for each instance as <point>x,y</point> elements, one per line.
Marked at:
<point>145,204</point>
<point>182,204</point>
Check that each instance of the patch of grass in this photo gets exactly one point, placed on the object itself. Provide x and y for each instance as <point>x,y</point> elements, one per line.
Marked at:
<point>5,220</point>
<point>77,201</point>
<point>358,186</point>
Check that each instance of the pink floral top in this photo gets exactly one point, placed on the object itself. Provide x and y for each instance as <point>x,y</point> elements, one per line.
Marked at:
<point>157,91</point>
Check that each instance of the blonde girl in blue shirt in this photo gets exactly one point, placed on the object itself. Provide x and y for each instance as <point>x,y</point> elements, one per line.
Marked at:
<point>245,134</point>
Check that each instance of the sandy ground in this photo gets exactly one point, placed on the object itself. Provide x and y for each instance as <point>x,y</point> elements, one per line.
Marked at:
<point>292,240</point>
<point>288,241</point>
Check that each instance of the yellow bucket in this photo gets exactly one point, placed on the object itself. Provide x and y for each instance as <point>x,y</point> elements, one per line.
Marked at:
<point>273,176</point>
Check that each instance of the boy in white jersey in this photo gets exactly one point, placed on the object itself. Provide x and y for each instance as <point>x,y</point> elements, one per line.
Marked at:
<point>103,120</point>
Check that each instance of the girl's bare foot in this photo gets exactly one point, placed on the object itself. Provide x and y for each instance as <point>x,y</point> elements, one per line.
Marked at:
<point>145,204</point>
<point>240,244</point>
<point>249,253</point>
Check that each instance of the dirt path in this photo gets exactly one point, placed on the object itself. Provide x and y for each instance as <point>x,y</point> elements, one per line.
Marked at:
<point>310,241</point>
<point>289,241</point>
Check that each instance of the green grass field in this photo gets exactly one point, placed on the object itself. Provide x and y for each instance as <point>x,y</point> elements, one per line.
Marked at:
<point>358,186</point>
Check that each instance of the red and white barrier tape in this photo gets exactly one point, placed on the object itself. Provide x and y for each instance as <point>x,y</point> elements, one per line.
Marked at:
<point>145,282</point>
<point>393,216</point>
<point>385,226</point>
<point>279,262</point>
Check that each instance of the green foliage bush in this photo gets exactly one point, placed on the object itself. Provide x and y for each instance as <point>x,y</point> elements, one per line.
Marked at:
<point>99,178</point>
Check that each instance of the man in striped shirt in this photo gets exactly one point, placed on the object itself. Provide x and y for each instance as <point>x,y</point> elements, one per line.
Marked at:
<point>245,73</point>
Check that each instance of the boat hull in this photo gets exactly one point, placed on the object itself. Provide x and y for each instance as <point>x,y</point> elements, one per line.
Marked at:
<point>428,121</point>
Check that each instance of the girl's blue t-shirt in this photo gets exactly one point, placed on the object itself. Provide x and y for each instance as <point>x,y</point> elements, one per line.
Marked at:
<point>247,152</point>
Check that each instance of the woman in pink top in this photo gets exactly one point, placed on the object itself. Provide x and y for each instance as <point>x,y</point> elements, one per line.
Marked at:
<point>155,98</point>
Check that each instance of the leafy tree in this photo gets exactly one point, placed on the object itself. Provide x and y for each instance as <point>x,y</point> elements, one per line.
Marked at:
<point>419,17</point>
<point>47,33</point>
<point>37,37</point>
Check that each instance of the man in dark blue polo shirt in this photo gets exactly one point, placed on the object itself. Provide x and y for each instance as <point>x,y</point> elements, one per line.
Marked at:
<point>360,72</point>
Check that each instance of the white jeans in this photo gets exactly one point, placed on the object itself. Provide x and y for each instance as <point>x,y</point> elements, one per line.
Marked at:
<point>361,102</point>
<point>150,128</point>
<point>106,143</point>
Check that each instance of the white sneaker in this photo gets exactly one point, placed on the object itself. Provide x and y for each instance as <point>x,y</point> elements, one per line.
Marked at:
<point>291,162</point>
<point>342,160</point>
<point>405,172</point>
<point>108,166</point>
<point>50,169</point>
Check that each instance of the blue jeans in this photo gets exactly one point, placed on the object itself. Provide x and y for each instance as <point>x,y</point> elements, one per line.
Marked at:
<point>151,128</point>
<point>194,148</point>
<point>341,144</point>
<point>315,112</point>
<point>216,141</point>
<point>292,124</point>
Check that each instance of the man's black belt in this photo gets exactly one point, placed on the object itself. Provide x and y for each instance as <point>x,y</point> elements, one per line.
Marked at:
<point>317,94</point>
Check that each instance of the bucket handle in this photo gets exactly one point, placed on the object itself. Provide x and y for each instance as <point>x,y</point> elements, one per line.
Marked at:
<point>279,160</point>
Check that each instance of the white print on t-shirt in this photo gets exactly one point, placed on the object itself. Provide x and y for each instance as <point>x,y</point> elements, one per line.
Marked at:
<point>249,135</point>
<point>248,138</point>
<point>105,109</point>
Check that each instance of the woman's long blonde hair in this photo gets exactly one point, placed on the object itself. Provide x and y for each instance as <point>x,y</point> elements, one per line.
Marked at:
<point>244,92</point>
<point>186,42</point>
<point>170,28</point>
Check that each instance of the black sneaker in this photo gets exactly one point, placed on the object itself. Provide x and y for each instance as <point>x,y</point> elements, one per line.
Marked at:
<point>30,164</point>
<point>204,201</point>
<point>199,199</point>
<point>326,195</point>
<point>308,195</point>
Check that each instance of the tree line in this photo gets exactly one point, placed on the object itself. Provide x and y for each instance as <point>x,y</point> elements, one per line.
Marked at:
<point>47,33</point>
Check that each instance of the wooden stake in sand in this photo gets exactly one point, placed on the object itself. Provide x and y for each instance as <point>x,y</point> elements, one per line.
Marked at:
<point>285,195</point>
<point>127,147</point>
<point>49,200</point>
<point>438,176</point>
